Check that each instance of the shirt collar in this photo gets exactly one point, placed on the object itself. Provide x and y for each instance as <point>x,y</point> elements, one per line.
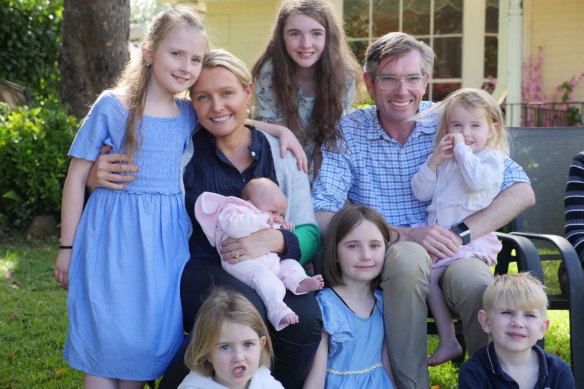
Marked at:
<point>256,143</point>
<point>375,131</point>
<point>254,148</point>
<point>498,370</point>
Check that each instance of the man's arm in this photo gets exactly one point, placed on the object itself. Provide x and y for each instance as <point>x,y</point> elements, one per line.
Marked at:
<point>441,243</point>
<point>504,208</point>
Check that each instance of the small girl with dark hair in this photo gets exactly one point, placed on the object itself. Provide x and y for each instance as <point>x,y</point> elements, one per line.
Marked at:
<point>306,77</point>
<point>231,346</point>
<point>353,352</point>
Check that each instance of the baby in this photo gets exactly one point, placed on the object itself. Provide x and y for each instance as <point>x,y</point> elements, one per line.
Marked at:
<point>263,206</point>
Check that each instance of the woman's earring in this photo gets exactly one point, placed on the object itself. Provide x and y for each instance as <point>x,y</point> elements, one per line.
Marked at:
<point>148,64</point>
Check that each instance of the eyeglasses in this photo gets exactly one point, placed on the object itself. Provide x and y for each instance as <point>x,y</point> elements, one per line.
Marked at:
<point>387,82</point>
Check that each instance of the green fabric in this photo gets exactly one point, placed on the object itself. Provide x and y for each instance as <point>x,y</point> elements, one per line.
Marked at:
<point>309,240</point>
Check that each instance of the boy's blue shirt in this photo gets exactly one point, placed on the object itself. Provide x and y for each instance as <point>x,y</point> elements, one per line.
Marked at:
<point>483,370</point>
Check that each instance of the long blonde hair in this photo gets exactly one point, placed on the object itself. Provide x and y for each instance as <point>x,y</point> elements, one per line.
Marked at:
<point>134,78</point>
<point>223,305</point>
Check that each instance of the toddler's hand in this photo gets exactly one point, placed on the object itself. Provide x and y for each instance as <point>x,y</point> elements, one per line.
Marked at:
<point>457,138</point>
<point>442,152</point>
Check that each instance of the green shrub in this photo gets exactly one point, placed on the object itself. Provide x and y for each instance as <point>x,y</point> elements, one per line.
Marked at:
<point>30,35</point>
<point>33,160</point>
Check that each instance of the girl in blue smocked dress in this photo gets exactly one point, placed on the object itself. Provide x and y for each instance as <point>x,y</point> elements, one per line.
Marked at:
<point>352,352</point>
<point>122,256</point>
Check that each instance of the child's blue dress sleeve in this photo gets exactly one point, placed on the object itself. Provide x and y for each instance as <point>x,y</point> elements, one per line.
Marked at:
<point>334,325</point>
<point>103,125</point>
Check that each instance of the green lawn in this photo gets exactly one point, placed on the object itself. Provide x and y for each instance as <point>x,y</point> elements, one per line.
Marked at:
<point>33,322</point>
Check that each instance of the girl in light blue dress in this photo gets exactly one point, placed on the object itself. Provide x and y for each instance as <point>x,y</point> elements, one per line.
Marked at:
<point>123,253</point>
<point>353,352</point>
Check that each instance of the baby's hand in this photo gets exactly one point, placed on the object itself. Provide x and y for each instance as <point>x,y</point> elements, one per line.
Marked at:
<point>288,225</point>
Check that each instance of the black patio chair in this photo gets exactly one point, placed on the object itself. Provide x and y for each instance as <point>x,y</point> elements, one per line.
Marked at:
<point>546,155</point>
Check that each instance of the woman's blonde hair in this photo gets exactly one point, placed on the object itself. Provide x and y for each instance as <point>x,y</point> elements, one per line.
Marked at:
<point>471,98</point>
<point>342,223</point>
<point>223,305</point>
<point>134,78</point>
<point>520,290</point>
<point>223,58</point>
<point>336,64</point>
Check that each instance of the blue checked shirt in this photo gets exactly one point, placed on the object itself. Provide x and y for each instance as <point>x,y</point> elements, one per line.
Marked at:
<point>373,169</point>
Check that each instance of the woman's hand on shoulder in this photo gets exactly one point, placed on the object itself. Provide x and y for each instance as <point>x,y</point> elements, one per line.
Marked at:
<point>105,170</point>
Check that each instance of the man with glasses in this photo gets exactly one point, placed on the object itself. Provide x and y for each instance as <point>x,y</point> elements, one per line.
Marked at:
<point>373,165</point>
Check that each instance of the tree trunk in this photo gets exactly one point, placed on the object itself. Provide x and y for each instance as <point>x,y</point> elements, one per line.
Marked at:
<point>94,49</point>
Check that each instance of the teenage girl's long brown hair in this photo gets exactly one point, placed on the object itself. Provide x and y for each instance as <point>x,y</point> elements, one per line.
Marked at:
<point>330,76</point>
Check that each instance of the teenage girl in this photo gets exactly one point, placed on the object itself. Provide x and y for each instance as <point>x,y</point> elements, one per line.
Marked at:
<point>353,352</point>
<point>122,255</point>
<point>306,77</point>
<point>462,176</point>
<point>231,346</point>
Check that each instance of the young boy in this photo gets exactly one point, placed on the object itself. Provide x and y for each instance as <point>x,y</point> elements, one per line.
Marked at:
<point>514,316</point>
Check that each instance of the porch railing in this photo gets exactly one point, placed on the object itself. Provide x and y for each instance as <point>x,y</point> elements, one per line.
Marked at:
<point>547,114</point>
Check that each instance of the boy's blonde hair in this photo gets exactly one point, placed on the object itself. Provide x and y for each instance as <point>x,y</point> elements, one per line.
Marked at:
<point>520,290</point>
<point>471,98</point>
<point>223,305</point>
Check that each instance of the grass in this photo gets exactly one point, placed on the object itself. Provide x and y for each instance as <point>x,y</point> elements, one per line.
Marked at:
<point>33,318</point>
<point>33,322</point>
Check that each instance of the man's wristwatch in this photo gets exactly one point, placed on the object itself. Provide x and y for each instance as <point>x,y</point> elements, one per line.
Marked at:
<point>463,231</point>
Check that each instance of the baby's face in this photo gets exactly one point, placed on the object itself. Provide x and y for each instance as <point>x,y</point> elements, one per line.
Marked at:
<point>271,201</point>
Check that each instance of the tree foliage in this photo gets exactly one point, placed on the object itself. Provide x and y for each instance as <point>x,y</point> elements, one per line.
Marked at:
<point>33,161</point>
<point>30,34</point>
